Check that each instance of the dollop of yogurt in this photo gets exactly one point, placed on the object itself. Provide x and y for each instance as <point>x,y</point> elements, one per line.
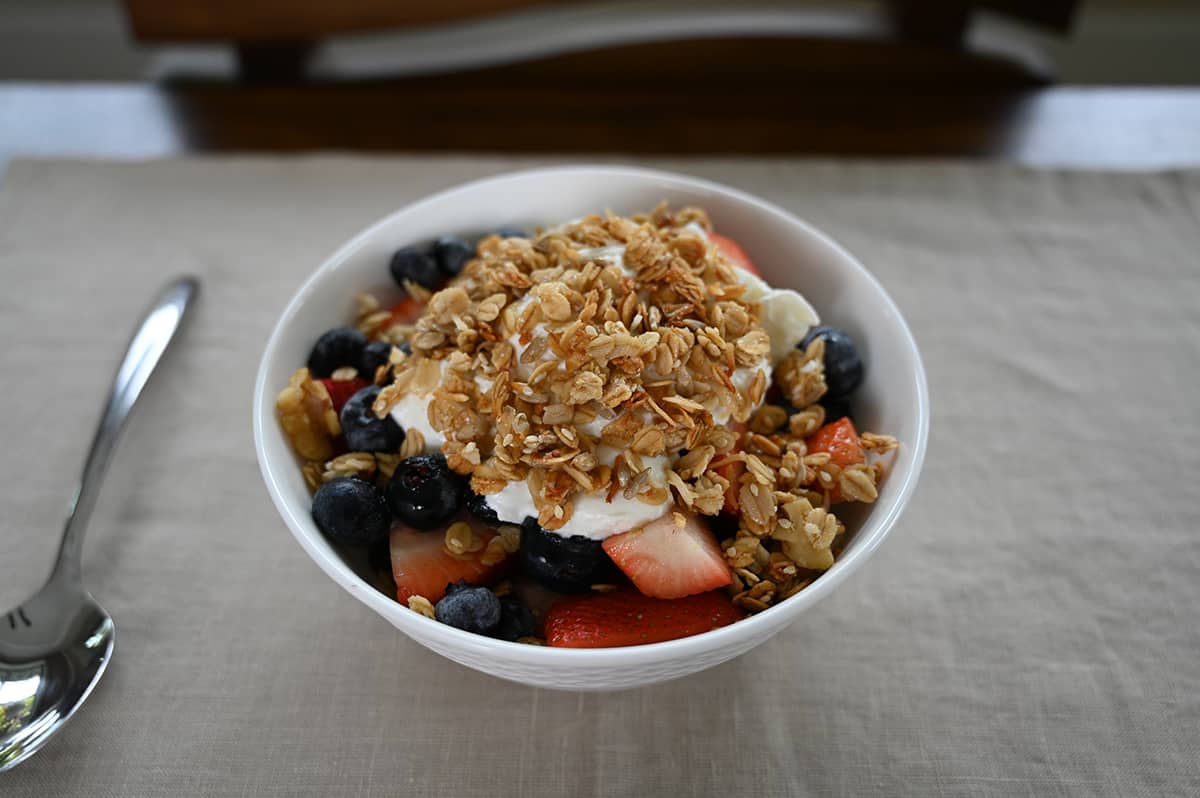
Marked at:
<point>412,413</point>
<point>593,516</point>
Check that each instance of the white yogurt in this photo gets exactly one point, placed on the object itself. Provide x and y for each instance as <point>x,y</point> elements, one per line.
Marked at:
<point>786,314</point>
<point>593,516</point>
<point>412,413</point>
<point>614,254</point>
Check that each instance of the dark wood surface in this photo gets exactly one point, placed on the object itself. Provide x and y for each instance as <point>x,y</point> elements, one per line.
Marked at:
<point>289,21</point>
<point>1074,127</point>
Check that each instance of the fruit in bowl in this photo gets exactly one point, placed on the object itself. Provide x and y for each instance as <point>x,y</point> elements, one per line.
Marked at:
<point>606,432</point>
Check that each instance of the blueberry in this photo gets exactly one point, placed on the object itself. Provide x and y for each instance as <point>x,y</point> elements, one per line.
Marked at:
<point>835,407</point>
<point>566,564</point>
<point>363,430</point>
<point>508,231</point>
<point>843,366</point>
<point>424,492</point>
<point>420,267</point>
<point>478,507</point>
<point>474,609</point>
<point>516,620</point>
<point>451,254</point>
<point>406,347</point>
<point>351,511</point>
<point>374,355</point>
<point>335,349</point>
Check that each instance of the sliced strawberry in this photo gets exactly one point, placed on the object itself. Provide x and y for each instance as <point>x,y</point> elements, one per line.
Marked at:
<point>840,439</point>
<point>422,566</point>
<point>406,311</point>
<point>732,250</point>
<point>340,391</point>
<point>668,561</point>
<point>627,618</point>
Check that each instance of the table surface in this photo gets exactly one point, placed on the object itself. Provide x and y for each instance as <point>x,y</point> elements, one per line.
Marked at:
<point>1028,628</point>
<point>1124,128</point>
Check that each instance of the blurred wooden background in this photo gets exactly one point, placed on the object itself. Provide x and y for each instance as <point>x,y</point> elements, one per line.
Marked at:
<point>910,40</point>
<point>908,79</point>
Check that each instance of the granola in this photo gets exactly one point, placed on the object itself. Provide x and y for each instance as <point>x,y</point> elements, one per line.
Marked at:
<point>547,357</point>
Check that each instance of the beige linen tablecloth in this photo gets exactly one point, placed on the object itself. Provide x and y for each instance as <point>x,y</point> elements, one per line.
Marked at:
<point>1031,628</point>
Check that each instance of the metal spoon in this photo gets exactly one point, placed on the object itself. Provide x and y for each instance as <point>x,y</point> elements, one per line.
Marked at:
<point>55,646</point>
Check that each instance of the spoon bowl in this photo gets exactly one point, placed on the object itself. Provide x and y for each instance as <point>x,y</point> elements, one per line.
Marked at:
<point>55,646</point>
<point>53,650</point>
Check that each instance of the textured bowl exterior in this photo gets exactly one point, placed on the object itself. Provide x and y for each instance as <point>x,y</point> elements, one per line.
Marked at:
<point>789,253</point>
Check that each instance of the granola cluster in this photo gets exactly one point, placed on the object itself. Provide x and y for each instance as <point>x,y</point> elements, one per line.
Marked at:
<point>787,534</point>
<point>561,364</point>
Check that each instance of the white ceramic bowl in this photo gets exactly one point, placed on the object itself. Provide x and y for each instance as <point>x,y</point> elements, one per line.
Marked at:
<point>788,252</point>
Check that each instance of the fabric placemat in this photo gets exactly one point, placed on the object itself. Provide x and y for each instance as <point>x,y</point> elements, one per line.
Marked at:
<point>1032,627</point>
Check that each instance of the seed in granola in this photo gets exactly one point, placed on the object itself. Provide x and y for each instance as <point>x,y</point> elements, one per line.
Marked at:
<point>650,441</point>
<point>857,483</point>
<point>780,568</point>
<point>421,605</point>
<point>414,444</point>
<point>807,421</point>
<point>767,419</point>
<point>461,539</point>
<point>765,445</point>
<point>749,603</point>
<point>747,576</point>
<point>351,464</point>
<point>493,554</point>
<point>873,442</point>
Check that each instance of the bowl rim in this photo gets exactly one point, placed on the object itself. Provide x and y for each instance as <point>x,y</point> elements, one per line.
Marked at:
<point>768,621</point>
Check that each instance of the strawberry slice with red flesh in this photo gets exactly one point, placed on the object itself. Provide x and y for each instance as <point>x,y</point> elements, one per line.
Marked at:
<point>667,561</point>
<point>406,311</point>
<point>627,618</point>
<point>340,391</point>
<point>422,566</point>
<point>840,439</point>
<point>734,252</point>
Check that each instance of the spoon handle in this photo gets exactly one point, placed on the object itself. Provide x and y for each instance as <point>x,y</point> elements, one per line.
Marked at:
<point>146,348</point>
